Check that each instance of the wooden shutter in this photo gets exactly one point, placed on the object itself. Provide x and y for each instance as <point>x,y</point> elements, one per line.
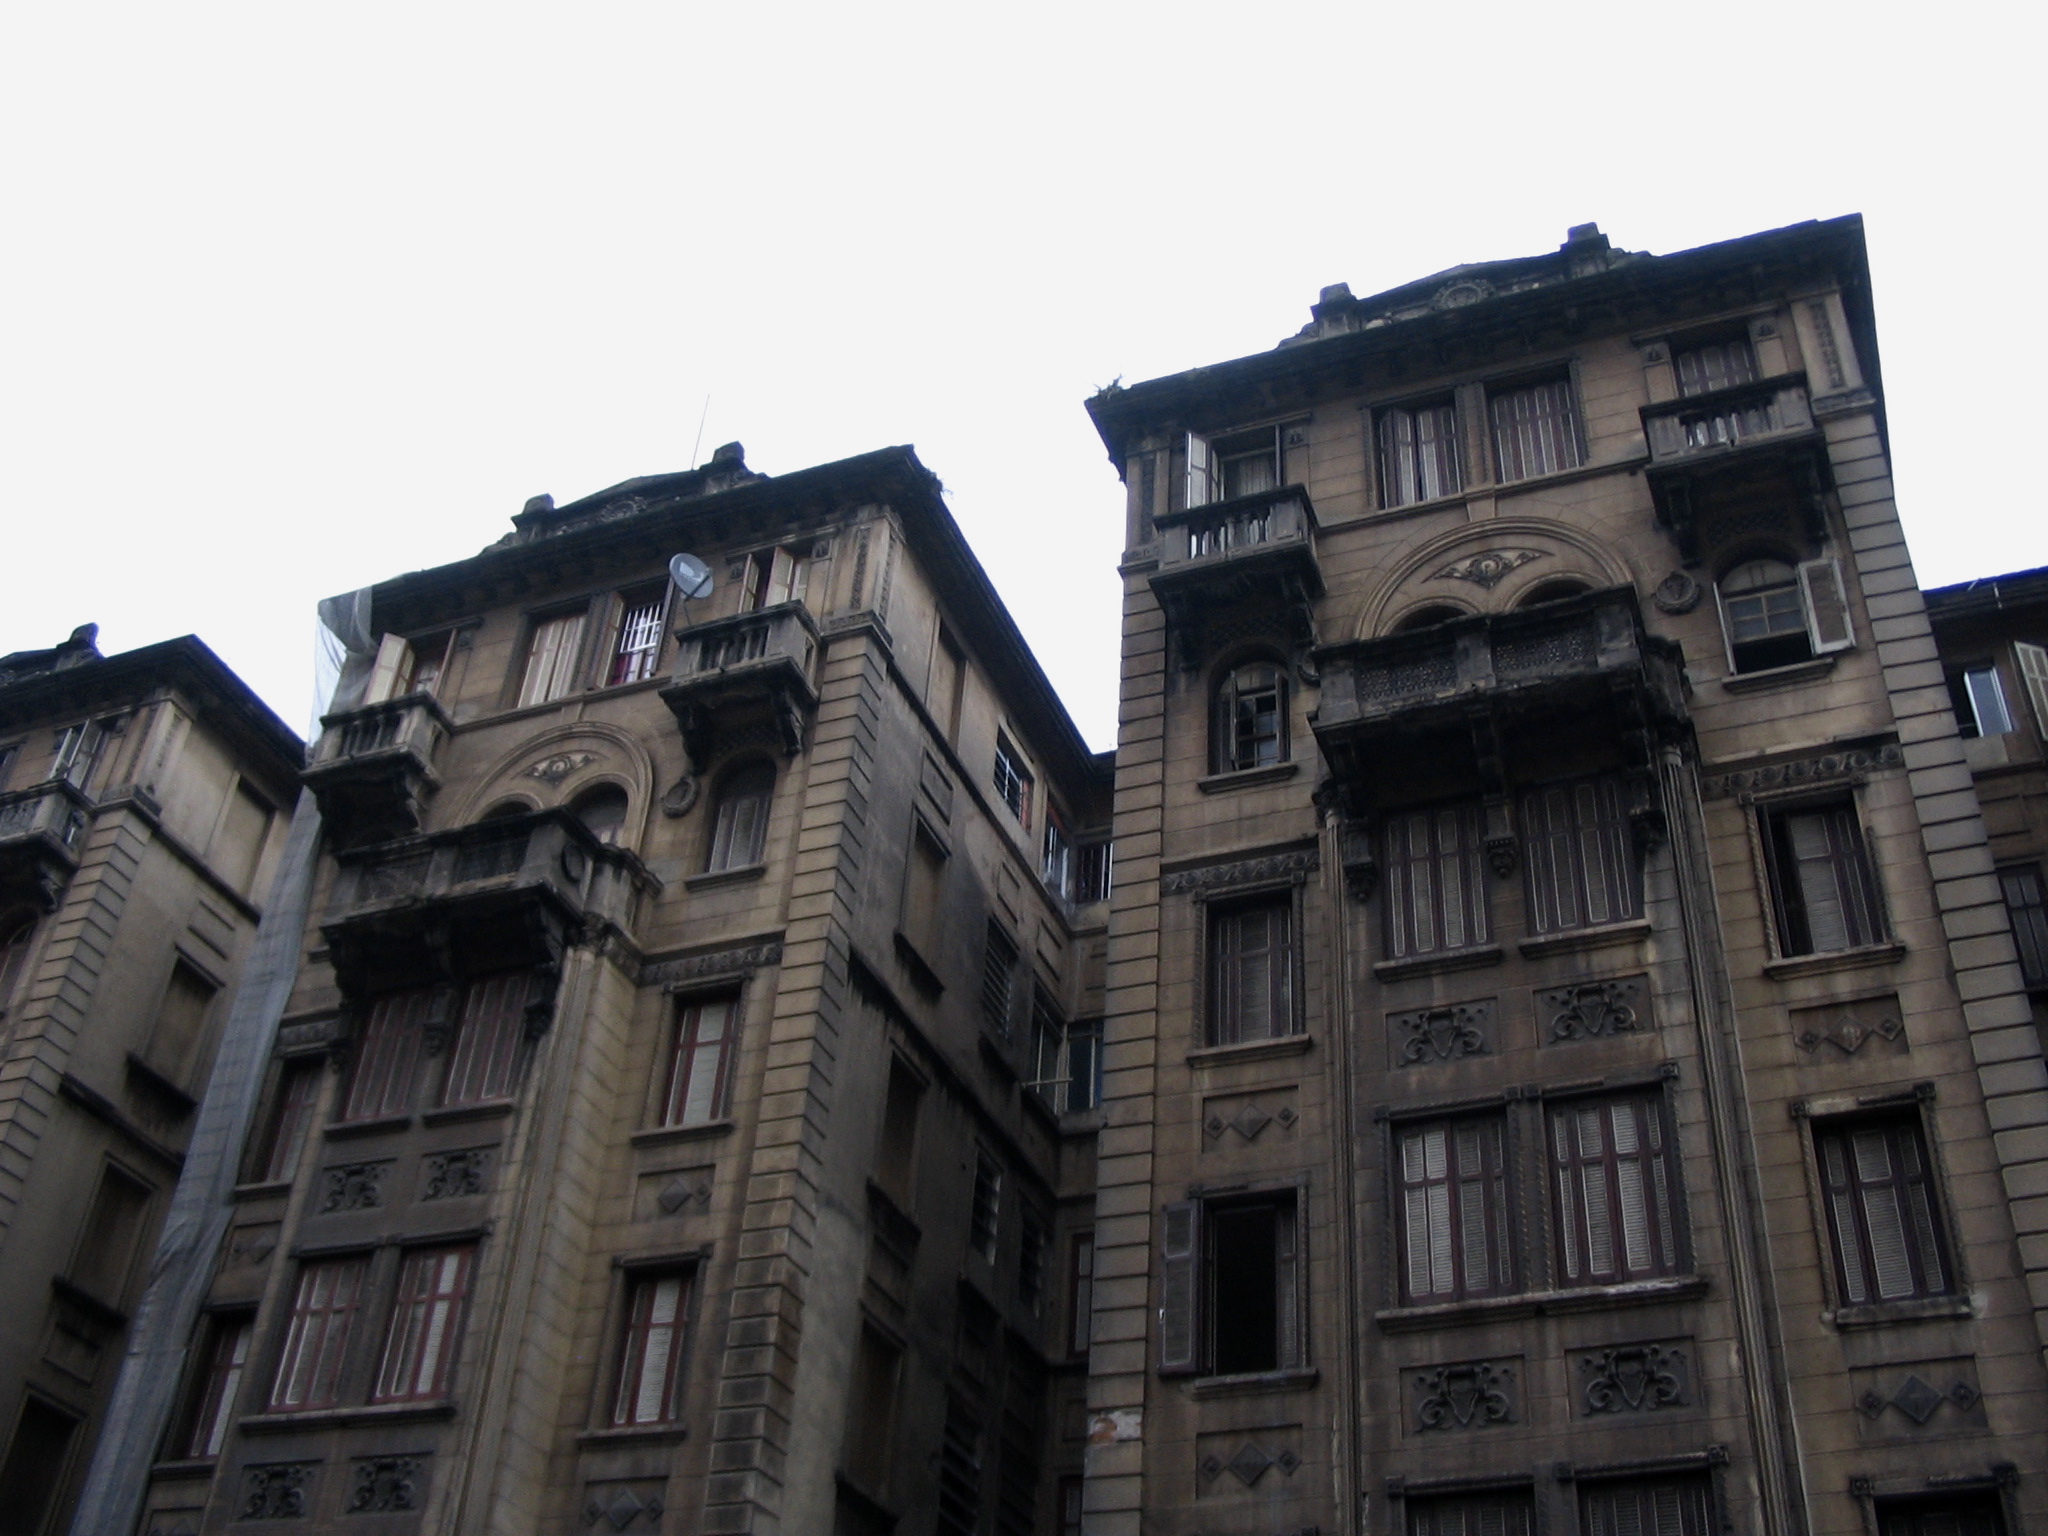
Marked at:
<point>1828,887</point>
<point>1881,1212</point>
<point>2033,664</point>
<point>1201,487</point>
<point>1454,1198</point>
<point>551,659</point>
<point>1179,1285</point>
<point>1827,606</point>
<point>1615,1209</point>
<point>1470,1514</point>
<point>1252,980</point>
<point>1288,1272</point>
<point>1674,1506</point>
<point>1580,865</point>
<point>1436,891</point>
<point>2027,906</point>
<point>393,663</point>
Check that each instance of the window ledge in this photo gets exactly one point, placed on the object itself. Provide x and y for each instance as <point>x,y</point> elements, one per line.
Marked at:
<point>1252,1383</point>
<point>1876,1314</point>
<point>1083,1122</point>
<point>342,1418</point>
<point>1437,965</point>
<point>666,1135</point>
<point>1251,1050</point>
<point>1800,672</point>
<point>261,1191</point>
<point>712,878</point>
<point>449,1114</point>
<point>635,1434</point>
<point>184,1466</point>
<point>1246,778</point>
<point>341,1130</point>
<point>1541,1303</point>
<point>1576,939</point>
<point>1835,960</point>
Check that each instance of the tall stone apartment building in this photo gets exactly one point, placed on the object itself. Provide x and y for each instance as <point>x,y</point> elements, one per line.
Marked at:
<point>1549,1055</point>
<point>140,818</point>
<point>682,1119</point>
<point>1565,1066</point>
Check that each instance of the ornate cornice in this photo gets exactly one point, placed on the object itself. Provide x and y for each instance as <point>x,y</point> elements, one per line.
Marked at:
<point>740,961</point>
<point>1824,768</point>
<point>1296,867</point>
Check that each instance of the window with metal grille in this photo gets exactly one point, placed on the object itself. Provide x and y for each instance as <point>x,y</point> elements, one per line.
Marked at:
<point>426,1324</point>
<point>1012,779</point>
<point>1822,884</point>
<point>323,1314</point>
<point>1883,1215</point>
<point>1251,718</point>
<point>490,1040</point>
<point>553,652</point>
<point>985,1210</point>
<point>998,979</point>
<point>1454,1210</point>
<point>291,1115</point>
<point>385,1059</point>
<point>2027,907</point>
<point>739,828</point>
<point>1419,453</point>
<point>1654,1506</point>
<point>1251,970</point>
<point>1616,1186</point>
<point>211,1402</point>
<point>1231,1286</point>
<point>637,633</point>
<point>700,1061</point>
<point>1710,365</point>
<point>1580,865</point>
<point>650,1370</point>
<point>1472,1514</point>
<point>1979,701</point>
<point>1091,872</point>
<point>1435,881</point>
<point>1535,430</point>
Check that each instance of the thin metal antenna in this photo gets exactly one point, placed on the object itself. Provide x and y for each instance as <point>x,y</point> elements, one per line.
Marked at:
<point>700,431</point>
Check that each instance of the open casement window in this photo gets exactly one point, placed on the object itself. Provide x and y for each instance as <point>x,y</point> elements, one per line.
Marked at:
<point>1067,1061</point>
<point>871,1409</point>
<point>1436,881</point>
<point>1775,615</point>
<point>1251,970</point>
<point>2027,906</point>
<point>323,1315</point>
<point>1232,1299</point>
<point>650,1373</point>
<point>1979,701</point>
<point>1655,1506</point>
<point>1580,868</point>
<point>774,576</point>
<point>739,826</point>
<point>1013,781</point>
<point>2033,665</point>
<point>1471,1514</point>
<point>490,1040</point>
<point>384,1065</point>
<point>1703,367</point>
<point>700,1060</point>
<point>553,652</point>
<point>1454,1210</point>
<point>426,1324</point>
<point>998,980</point>
<point>1822,883</point>
<point>1535,430</point>
<point>79,750</point>
<point>633,647</point>
<point>210,1405</point>
<point>1616,1186</point>
<point>407,666</point>
<point>1419,453</point>
<point>1239,464</point>
<point>1884,1220</point>
<point>283,1137</point>
<point>1250,727</point>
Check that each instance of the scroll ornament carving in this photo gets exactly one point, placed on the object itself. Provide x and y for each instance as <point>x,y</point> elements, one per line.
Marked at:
<point>1464,1396</point>
<point>551,770</point>
<point>1215,877</point>
<point>275,1490</point>
<point>353,1187</point>
<point>1487,569</point>
<point>451,1175</point>
<point>1591,1010</point>
<point>1443,1034</point>
<point>386,1483</point>
<point>1828,768</point>
<point>1635,1378</point>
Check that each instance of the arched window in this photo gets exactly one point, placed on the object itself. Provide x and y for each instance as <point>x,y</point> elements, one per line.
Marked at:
<point>603,811</point>
<point>1553,592</point>
<point>17,929</point>
<point>1764,613</point>
<point>1424,618</point>
<point>739,827</point>
<point>1251,718</point>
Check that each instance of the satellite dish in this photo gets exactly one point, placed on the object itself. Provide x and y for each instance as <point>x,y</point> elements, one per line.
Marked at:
<point>691,576</point>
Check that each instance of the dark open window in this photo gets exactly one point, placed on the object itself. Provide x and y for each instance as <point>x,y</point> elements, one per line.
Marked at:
<point>1580,869</point>
<point>896,1154</point>
<point>1884,1218</point>
<point>1435,882</point>
<point>289,1117</point>
<point>37,1454</point>
<point>1945,1514</point>
<point>877,1372</point>
<point>1774,614</point>
<point>1232,1286</point>
<point>1251,718</point>
<point>984,1209</point>
<point>1080,1293</point>
<point>17,933</point>
<point>1821,879</point>
<point>1616,1186</point>
<point>1655,1506</point>
<point>1979,700</point>
<point>426,1324</point>
<point>1251,970</point>
<point>602,810</point>
<point>1454,1210</point>
<point>2027,906</point>
<point>105,1260</point>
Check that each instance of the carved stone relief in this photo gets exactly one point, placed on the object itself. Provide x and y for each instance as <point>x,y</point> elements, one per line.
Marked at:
<point>451,1175</point>
<point>252,1245</point>
<point>1265,1117</point>
<point>625,1504</point>
<point>382,1484</point>
<point>1912,1399</point>
<point>672,1192</point>
<point>1240,1461</point>
<point>1828,768</point>
<point>278,1490</point>
<point>1487,569</point>
<point>1471,1394</point>
<point>1424,1037</point>
<point>551,770</point>
<point>173,1522</point>
<point>743,961</point>
<point>352,1187</point>
<point>1593,1010</point>
<point>1217,877</point>
<point>1632,1378</point>
<point>1677,593</point>
<point>1871,1027</point>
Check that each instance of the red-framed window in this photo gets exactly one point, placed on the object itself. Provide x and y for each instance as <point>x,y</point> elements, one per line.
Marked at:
<point>381,1077</point>
<point>426,1324</point>
<point>700,1060</point>
<point>219,1383</point>
<point>650,1376</point>
<point>1454,1210</point>
<point>324,1307</point>
<point>1617,1190</point>
<point>490,1039</point>
<point>291,1116</point>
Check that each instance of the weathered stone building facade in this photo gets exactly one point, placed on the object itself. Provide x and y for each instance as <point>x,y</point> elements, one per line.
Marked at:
<point>1552,1056</point>
<point>141,801</point>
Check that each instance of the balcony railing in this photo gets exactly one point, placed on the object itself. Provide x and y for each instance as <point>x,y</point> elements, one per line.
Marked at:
<point>760,661</point>
<point>1271,523</point>
<point>373,768</point>
<point>774,636</point>
<point>1727,420</point>
<point>1257,551</point>
<point>42,831</point>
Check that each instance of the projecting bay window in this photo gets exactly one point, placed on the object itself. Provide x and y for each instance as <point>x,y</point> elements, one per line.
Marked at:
<point>1232,1286</point>
<point>426,1325</point>
<point>1435,881</point>
<point>1535,430</point>
<point>323,1315</point>
<point>1884,1218</point>
<point>649,1386</point>
<point>1580,867</point>
<point>1615,1186</point>
<point>1251,970</point>
<point>1453,1189</point>
<point>1823,887</point>
<point>1418,447</point>
<point>554,650</point>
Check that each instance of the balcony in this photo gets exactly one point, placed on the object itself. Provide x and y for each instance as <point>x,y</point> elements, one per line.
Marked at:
<point>42,830</point>
<point>1744,446</point>
<point>751,665</point>
<point>1438,711</point>
<point>373,769</point>
<point>1256,551</point>
<point>501,894</point>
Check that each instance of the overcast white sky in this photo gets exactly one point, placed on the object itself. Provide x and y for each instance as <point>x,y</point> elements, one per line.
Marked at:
<point>297,297</point>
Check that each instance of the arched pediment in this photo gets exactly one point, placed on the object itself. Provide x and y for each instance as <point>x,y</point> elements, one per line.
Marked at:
<point>557,765</point>
<point>1484,568</point>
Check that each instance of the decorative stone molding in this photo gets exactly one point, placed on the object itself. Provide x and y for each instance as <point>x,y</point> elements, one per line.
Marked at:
<point>1593,1010</point>
<point>551,770</point>
<point>1923,1397</point>
<point>1247,1117</point>
<point>1489,568</point>
<point>1677,593</point>
<point>276,1490</point>
<point>1503,853</point>
<point>1829,768</point>
<point>1245,1459</point>
<point>719,963</point>
<point>386,1483</point>
<point>1296,867</point>
<point>681,796</point>
<point>634,1504</point>
<point>352,1187</point>
<point>1849,1027</point>
<point>686,1188</point>
<point>1633,1378</point>
<point>1426,1036</point>
<point>292,1038</point>
<point>1469,1395</point>
<point>451,1175</point>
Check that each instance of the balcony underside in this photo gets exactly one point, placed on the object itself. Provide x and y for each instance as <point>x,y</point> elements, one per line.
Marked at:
<point>1775,489</point>
<point>41,833</point>
<point>773,692</point>
<point>1236,569</point>
<point>371,799</point>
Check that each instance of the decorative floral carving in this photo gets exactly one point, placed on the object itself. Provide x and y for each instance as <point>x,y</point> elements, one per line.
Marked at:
<point>1677,593</point>
<point>1429,1035</point>
<point>275,1490</point>
<point>553,769</point>
<point>1828,768</point>
<point>743,961</point>
<point>1634,1378</point>
<point>353,1187</point>
<point>1502,854</point>
<point>450,1175</point>
<point>1590,1010</point>
<point>1468,1396</point>
<point>1214,877</point>
<point>386,1483</point>
<point>1489,568</point>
